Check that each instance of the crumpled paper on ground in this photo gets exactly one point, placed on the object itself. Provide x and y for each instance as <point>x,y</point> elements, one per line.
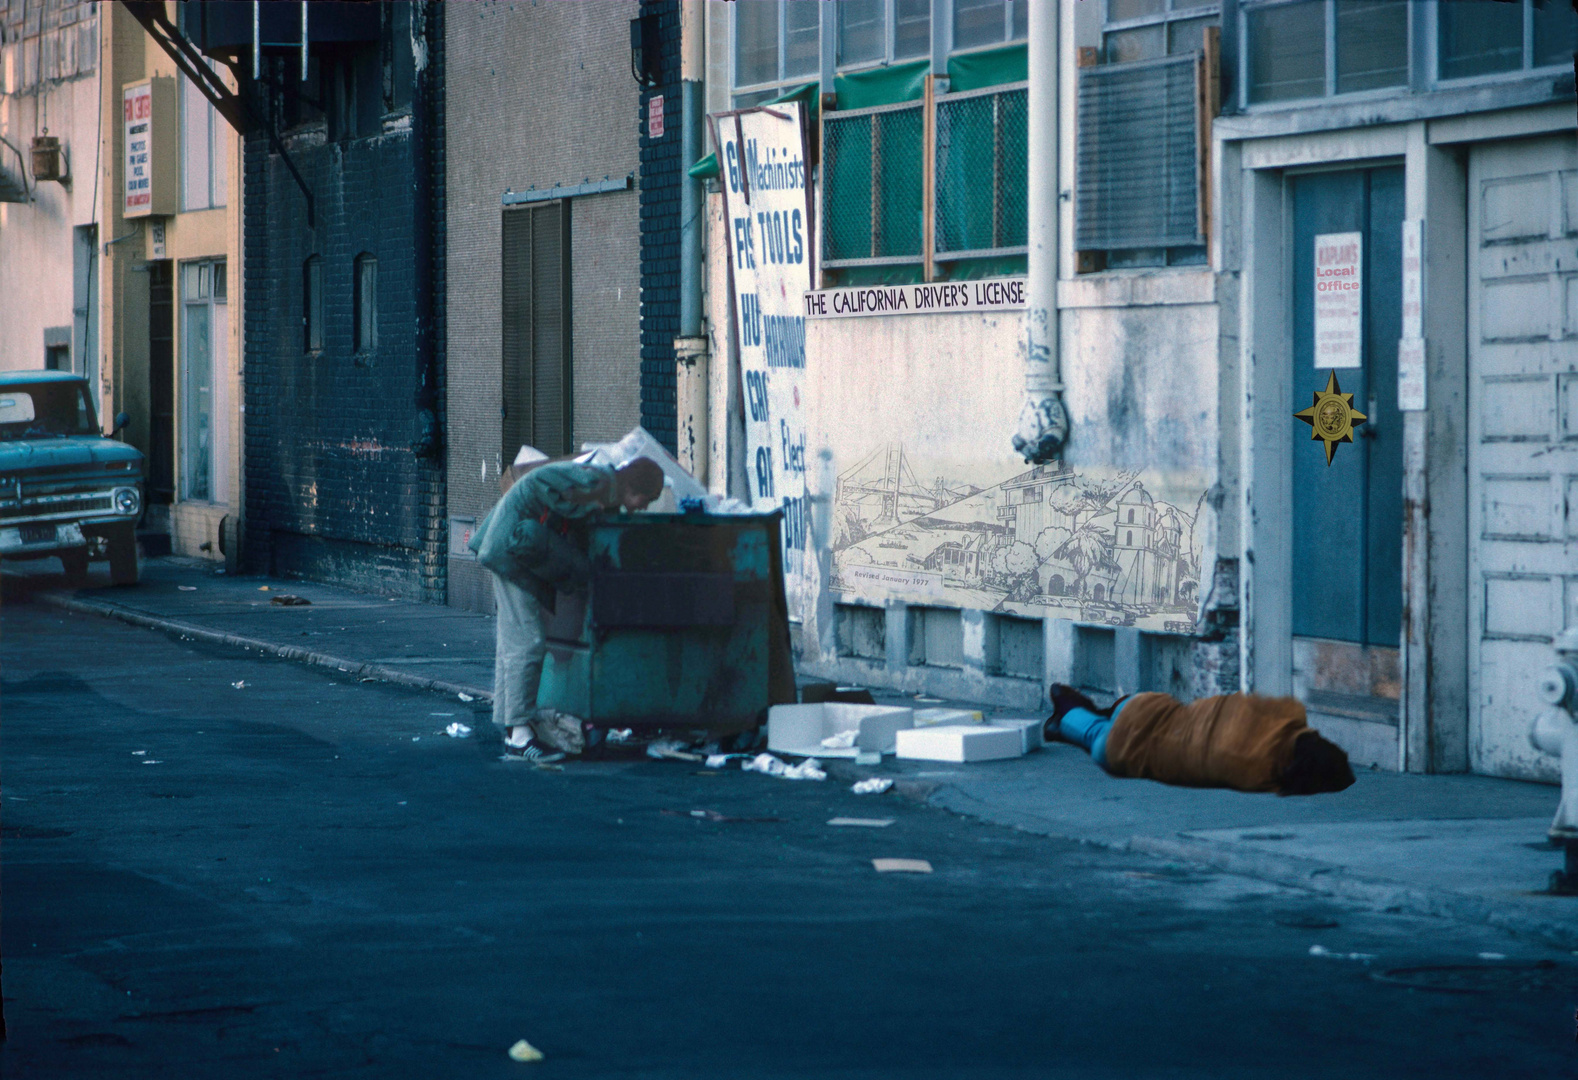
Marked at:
<point>559,730</point>
<point>809,769</point>
<point>671,750</point>
<point>457,730</point>
<point>874,786</point>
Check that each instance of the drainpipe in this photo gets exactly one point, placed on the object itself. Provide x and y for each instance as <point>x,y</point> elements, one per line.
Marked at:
<point>690,347</point>
<point>1043,422</point>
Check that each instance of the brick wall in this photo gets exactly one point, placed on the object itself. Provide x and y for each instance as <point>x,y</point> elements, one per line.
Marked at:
<point>660,182</point>
<point>536,97</point>
<point>334,490</point>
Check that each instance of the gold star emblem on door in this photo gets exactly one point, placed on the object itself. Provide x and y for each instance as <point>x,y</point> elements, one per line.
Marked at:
<point>1332,416</point>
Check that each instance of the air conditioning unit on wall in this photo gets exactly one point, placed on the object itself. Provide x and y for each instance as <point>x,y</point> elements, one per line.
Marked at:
<point>49,160</point>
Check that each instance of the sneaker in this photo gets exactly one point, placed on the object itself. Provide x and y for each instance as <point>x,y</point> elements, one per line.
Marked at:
<point>534,752</point>
<point>1063,699</point>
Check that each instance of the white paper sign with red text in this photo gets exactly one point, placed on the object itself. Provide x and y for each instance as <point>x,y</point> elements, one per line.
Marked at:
<point>1339,292</point>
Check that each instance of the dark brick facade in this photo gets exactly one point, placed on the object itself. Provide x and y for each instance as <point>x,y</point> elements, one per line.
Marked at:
<point>661,167</point>
<point>344,470</point>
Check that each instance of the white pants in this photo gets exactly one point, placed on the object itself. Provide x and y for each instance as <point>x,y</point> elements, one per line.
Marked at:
<point>517,655</point>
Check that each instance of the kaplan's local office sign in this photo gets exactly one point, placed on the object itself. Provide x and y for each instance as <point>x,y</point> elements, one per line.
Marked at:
<point>997,294</point>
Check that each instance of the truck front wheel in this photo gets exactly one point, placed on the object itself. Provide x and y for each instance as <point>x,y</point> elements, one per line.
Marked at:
<point>125,567</point>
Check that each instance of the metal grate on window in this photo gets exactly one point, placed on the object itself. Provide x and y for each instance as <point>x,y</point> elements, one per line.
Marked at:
<point>982,173</point>
<point>1139,155</point>
<point>872,185</point>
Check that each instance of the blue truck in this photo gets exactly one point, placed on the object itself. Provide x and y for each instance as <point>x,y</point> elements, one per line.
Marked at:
<point>66,490</point>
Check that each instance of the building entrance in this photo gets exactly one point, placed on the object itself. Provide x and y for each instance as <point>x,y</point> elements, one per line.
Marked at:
<point>1348,516</point>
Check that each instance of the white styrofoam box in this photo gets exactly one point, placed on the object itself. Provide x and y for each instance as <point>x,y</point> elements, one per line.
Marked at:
<point>936,717</point>
<point>1031,731</point>
<point>959,742</point>
<point>800,729</point>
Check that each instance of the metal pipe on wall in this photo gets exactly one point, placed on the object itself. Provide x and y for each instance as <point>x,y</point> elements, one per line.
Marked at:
<point>1043,421</point>
<point>690,346</point>
<point>692,53</point>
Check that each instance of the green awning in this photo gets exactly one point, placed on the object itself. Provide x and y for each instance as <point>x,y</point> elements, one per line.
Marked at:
<point>808,96</point>
<point>882,86</point>
<point>705,169</point>
<point>994,67</point>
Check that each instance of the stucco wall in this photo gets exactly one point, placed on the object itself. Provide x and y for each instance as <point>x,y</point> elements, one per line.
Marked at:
<point>537,96</point>
<point>36,239</point>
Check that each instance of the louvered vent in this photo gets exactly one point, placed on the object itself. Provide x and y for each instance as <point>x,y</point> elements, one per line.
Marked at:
<point>1139,155</point>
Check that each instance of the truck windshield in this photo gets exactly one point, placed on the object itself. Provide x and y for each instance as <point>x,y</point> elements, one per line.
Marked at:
<point>45,410</point>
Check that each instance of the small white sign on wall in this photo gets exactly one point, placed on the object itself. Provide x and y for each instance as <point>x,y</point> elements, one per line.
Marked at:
<point>1411,349</point>
<point>1413,279</point>
<point>1411,374</point>
<point>655,116</point>
<point>1339,289</point>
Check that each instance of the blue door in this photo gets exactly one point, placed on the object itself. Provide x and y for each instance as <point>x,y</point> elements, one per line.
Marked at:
<point>1348,517</point>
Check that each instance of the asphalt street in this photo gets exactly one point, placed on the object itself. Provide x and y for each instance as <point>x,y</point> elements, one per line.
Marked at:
<point>216,864</point>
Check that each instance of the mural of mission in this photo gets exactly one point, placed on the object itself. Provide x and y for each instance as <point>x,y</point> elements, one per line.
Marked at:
<point>1096,546</point>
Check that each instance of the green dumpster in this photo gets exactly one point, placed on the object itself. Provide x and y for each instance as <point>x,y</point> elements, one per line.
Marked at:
<point>684,624</point>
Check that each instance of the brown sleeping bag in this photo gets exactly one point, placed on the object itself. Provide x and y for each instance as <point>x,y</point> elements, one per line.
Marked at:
<point>1239,741</point>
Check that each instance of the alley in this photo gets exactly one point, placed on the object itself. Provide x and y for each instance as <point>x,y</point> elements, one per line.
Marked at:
<point>302,875</point>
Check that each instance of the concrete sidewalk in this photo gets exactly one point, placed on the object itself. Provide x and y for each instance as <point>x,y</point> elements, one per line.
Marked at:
<point>1465,847</point>
<point>424,646</point>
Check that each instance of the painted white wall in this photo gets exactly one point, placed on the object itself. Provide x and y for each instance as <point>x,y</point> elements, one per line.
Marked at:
<point>36,238</point>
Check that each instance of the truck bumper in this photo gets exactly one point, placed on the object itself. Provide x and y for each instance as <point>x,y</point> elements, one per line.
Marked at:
<point>49,539</point>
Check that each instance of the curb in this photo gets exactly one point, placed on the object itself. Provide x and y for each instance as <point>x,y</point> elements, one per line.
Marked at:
<point>1295,872</point>
<point>1379,893</point>
<point>238,641</point>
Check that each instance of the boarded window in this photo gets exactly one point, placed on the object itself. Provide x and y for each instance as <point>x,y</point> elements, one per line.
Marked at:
<point>1139,155</point>
<point>1019,650</point>
<point>936,637</point>
<point>861,631</point>
<point>536,303</point>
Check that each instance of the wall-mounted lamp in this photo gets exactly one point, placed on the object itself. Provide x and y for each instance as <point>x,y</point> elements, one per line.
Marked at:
<point>645,50</point>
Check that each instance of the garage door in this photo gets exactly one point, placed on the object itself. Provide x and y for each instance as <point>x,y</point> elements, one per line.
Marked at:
<point>1523,429</point>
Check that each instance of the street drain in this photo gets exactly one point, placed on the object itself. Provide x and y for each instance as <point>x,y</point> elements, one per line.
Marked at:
<point>1543,976</point>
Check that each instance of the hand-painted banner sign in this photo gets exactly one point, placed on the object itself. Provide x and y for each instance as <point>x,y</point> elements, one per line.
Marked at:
<point>934,298</point>
<point>767,201</point>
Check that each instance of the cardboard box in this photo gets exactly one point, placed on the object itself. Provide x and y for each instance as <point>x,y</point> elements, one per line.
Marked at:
<point>800,729</point>
<point>936,717</point>
<point>959,742</point>
<point>1031,731</point>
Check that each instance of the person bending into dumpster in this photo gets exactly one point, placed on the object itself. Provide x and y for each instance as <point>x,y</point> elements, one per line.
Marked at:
<point>1238,741</point>
<point>534,543</point>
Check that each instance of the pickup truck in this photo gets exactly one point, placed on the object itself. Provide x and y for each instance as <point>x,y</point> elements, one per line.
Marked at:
<point>66,490</point>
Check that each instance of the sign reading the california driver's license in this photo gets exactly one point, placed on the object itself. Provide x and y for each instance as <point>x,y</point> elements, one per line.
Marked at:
<point>1339,287</point>
<point>767,204</point>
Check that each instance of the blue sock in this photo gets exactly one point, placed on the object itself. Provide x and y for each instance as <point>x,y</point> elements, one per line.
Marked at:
<point>1089,731</point>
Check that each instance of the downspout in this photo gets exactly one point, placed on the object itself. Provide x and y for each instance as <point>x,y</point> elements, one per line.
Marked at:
<point>1043,421</point>
<point>426,127</point>
<point>690,347</point>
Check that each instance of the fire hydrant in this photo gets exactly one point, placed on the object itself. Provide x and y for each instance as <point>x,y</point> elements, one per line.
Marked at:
<point>1555,731</point>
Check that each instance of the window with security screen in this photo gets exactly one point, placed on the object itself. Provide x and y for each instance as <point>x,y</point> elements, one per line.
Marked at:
<point>1143,138</point>
<point>1138,155</point>
<point>1140,198</point>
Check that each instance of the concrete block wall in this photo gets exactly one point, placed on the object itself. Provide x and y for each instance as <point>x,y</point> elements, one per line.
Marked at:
<point>879,646</point>
<point>661,172</point>
<point>536,96</point>
<point>334,490</point>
